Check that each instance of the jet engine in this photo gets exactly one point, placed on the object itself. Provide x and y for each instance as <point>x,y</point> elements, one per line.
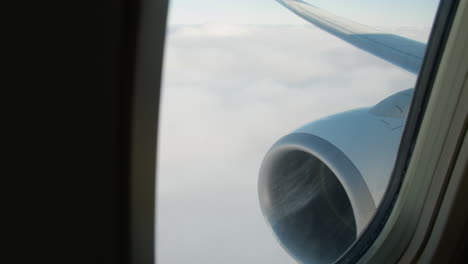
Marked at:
<point>320,185</point>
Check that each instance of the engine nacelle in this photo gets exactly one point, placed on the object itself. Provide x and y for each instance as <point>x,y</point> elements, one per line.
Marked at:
<point>320,185</point>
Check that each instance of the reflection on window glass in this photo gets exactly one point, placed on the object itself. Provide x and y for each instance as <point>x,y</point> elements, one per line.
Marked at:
<point>280,123</point>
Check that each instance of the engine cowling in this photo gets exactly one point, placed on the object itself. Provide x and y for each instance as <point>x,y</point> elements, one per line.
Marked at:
<point>320,185</point>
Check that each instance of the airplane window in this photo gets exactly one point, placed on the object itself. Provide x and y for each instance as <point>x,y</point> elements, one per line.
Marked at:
<point>280,124</point>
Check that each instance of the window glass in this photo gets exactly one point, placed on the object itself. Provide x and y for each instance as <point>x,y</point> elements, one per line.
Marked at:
<point>280,122</point>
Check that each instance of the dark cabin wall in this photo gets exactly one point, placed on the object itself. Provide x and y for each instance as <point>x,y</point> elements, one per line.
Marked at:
<point>67,90</point>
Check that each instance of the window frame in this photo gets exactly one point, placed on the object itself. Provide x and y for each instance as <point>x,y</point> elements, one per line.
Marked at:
<point>146,20</point>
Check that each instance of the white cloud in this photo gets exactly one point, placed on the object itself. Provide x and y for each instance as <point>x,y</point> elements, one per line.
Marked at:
<point>229,93</point>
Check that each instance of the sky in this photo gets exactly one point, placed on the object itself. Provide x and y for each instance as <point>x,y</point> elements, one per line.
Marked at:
<point>238,75</point>
<point>389,13</point>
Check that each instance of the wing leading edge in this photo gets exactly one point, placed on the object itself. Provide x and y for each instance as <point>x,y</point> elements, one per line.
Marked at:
<point>402,52</point>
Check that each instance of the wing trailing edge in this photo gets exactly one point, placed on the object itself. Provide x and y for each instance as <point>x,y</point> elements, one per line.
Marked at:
<point>405,53</point>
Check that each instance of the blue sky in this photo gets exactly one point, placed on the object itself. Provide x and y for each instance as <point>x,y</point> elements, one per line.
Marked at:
<point>393,13</point>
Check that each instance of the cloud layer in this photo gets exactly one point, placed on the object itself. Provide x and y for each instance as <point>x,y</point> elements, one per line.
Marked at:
<point>229,93</point>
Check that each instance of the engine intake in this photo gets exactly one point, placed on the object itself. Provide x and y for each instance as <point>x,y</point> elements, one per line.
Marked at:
<point>320,185</point>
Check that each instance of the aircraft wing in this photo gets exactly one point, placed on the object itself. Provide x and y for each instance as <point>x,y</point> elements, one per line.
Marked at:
<point>402,52</point>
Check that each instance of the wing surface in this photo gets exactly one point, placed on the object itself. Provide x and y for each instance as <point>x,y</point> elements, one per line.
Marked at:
<point>400,51</point>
